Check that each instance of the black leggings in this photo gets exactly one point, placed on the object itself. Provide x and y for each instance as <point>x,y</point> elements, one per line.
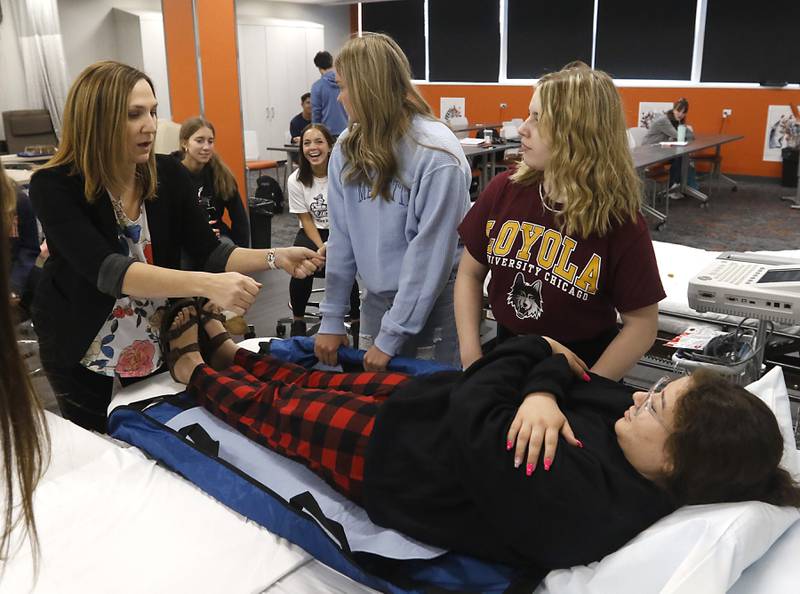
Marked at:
<point>300,288</point>
<point>83,396</point>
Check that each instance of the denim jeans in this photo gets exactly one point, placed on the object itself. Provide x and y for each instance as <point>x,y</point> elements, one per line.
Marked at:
<point>438,339</point>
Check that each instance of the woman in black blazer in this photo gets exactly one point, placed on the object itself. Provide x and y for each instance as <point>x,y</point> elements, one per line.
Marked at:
<point>116,219</point>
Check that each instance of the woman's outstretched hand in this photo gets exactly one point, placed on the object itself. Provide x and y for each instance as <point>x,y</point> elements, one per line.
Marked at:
<point>298,261</point>
<point>231,291</point>
<point>575,362</point>
<point>538,423</point>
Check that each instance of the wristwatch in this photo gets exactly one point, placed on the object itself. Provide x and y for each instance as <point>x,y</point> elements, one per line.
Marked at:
<point>271,259</point>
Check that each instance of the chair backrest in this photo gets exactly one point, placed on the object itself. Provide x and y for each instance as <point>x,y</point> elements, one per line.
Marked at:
<point>26,127</point>
<point>167,137</point>
<point>636,136</point>
<point>459,122</point>
<point>250,145</point>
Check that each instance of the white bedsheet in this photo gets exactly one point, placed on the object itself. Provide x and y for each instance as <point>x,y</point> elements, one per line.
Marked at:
<point>110,520</point>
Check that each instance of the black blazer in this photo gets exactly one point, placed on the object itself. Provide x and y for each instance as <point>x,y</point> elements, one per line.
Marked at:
<point>82,278</point>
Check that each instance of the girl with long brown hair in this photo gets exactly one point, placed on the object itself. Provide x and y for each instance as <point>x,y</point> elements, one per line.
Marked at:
<point>23,433</point>
<point>213,181</point>
<point>308,199</point>
<point>397,188</point>
<point>116,221</point>
<point>562,235</point>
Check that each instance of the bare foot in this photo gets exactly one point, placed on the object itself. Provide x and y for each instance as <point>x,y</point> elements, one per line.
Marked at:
<point>222,357</point>
<point>186,363</point>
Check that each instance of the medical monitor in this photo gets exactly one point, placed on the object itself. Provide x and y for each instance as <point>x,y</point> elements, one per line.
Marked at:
<point>749,286</point>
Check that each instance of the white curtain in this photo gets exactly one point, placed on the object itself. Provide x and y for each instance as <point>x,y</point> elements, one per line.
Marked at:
<point>39,34</point>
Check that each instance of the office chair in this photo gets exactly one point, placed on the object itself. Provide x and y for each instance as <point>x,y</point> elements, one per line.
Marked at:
<point>27,127</point>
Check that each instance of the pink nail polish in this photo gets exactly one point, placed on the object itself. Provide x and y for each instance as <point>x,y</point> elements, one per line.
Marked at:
<point>586,377</point>
<point>580,443</point>
<point>517,462</point>
<point>529,470</point>
<point>509,445</point>
<point>547,463</point>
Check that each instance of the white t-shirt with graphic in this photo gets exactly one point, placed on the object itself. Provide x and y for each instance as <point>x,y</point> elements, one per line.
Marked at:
<point>127,344</point>
<point>313,200</point>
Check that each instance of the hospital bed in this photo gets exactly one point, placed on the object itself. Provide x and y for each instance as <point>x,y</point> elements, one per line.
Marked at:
<point>111,520</point>
<point>739,548</point>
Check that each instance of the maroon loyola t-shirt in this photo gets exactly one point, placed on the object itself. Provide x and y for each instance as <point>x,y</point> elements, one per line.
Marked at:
<point>549,283</point>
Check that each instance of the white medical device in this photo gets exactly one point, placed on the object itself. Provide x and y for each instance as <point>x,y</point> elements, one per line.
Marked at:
<point>766,288</point>
<point>750,286</point>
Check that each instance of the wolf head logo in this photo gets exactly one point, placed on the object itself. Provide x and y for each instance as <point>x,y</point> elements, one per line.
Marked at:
<point>526,298</point>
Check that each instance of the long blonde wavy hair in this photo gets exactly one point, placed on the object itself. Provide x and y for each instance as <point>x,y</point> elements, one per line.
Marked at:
<point>24,440</point>
<point>383,103</point>
<point>590,164</point>
<point>94,137</point>
<point>224,182</point>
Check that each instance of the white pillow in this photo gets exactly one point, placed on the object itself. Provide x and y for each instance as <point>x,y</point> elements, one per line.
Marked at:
<point>771,388</point>
<point>700,548</point>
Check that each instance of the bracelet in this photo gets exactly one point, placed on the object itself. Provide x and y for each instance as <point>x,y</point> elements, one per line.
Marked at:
<point>271,259</point>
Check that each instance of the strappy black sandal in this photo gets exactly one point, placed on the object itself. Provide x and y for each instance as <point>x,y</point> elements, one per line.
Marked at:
<point>168,333</point>
<point>209,346</point>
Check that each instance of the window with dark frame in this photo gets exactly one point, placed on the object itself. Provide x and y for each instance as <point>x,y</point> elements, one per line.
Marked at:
<point>464,40</point>
<point>646,40</point>
<point>544,36</point>
<point>751,42</point>
<point>403,21</point>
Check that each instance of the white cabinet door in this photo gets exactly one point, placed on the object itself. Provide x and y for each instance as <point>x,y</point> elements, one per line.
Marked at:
<point>253,83</point>
<point>275,68</point>
<point>279,48</point>
<point>315,42</point>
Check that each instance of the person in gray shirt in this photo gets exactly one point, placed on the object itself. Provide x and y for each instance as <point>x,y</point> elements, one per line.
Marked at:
<point>664,128</point>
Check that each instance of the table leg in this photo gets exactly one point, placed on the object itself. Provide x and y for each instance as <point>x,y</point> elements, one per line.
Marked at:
<point>686,190</point>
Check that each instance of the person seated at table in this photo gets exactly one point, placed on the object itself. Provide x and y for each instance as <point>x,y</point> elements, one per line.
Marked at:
<point>518,460</point>
<point>562,233</point>
<point>213,181</point>
<point>302,119</point>
<point>664,128</point>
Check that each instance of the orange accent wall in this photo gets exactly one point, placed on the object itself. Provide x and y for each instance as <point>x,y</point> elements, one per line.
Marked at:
<point>216,21</point>
<point>749,107</point>
<point>181,59</point>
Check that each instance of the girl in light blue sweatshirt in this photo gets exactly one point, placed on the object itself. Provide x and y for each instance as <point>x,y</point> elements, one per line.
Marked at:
<point>398,186</point>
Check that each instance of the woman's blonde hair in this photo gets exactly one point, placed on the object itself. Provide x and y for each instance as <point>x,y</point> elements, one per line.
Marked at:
<point>383,102</point>
<point>224,182</point>
<point>24,440</point>
<point>94,138</point>
<point>590,163</point>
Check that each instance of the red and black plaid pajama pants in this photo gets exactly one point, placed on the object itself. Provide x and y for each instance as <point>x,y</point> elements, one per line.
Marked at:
<point>319,418</point>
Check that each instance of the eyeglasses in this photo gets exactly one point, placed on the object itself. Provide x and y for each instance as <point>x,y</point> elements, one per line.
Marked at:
<point>657,391</point>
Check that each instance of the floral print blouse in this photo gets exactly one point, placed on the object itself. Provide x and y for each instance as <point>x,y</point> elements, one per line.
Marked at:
<point>127,344</point>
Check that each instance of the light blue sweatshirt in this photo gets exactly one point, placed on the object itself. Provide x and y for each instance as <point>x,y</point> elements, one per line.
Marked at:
<point>404,249</point>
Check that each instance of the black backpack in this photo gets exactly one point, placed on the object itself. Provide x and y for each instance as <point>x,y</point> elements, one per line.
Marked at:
<point>269,189</point>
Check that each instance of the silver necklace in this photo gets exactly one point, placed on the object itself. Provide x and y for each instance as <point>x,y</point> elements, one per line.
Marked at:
<point>544,203</point>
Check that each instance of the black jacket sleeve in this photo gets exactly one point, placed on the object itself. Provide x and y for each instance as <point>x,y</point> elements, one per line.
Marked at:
<point>67,220</point>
